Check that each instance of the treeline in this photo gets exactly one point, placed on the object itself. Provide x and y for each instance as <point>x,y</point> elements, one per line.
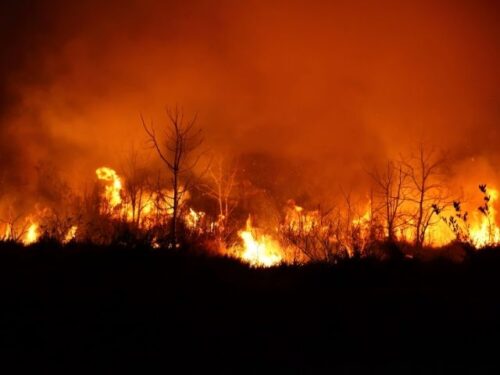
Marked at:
<point>200,200</point>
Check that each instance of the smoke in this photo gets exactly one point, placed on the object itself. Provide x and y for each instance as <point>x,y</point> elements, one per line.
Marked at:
<point>328,88</point>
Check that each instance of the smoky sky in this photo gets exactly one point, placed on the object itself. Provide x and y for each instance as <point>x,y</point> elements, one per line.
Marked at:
<point>331,85</point>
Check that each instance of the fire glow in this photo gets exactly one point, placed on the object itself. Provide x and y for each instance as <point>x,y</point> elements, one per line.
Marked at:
<point>112,192</point>
<point>259,250</point>
<point>485,232</point>
<point>322,147</point>
<point>292,241</point>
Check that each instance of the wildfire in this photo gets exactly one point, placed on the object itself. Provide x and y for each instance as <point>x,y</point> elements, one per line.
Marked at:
<point>486,231</point>
<point>193,218</point>
<point>114,187</point>
<point>301,235</point>
<point>149,205</point>
<point>259,250</point>
<point>299,220</point>
<point>439,234</point>
<point>31,234</point>
<point>364,219</point>
<point>71,235</point>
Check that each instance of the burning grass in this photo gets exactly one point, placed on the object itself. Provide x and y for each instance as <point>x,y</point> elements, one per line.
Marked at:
<point>117,211</point>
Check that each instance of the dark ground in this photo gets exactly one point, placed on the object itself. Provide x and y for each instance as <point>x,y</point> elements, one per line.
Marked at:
<point>191,314</point>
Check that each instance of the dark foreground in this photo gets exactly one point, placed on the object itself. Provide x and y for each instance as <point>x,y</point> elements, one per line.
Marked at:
<point>75,307</point>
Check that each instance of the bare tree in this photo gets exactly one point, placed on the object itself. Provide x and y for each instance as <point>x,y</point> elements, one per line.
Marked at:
<point>136,181</point>
<point>96,223</point>
<point>60,210</point>
<point>16,226</point>
<point>353,228</point>
<point>176,146</point>
<point>310,234</point>
<point>425,170</point>
<point>221,188</point>
<point>391,187</point>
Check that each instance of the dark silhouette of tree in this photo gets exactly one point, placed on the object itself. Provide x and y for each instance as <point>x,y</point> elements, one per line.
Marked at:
<point>425,170</point>
<point>16,226</point>
<point>391,187</point>
<point>136,183</point>
<point>310,234</point>
<point>176,147</point>
<point>61,210</point>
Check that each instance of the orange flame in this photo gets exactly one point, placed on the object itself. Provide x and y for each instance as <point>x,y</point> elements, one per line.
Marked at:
<point>71,234</point>
<point>31,234</point>
<point>259,250</point>
<point>299,220</point>
<point>193,218</point>
<point>112,191</point>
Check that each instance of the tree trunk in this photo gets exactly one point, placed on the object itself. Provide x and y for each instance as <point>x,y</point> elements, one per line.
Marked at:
<point>175,209</point>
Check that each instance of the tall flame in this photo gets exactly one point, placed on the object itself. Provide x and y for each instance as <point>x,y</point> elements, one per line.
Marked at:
<point>31,234</point>
<point>113,189</point>
<point>259,251</point>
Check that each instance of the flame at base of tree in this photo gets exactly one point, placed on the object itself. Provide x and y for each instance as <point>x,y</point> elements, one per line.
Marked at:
<point>150,205</point>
